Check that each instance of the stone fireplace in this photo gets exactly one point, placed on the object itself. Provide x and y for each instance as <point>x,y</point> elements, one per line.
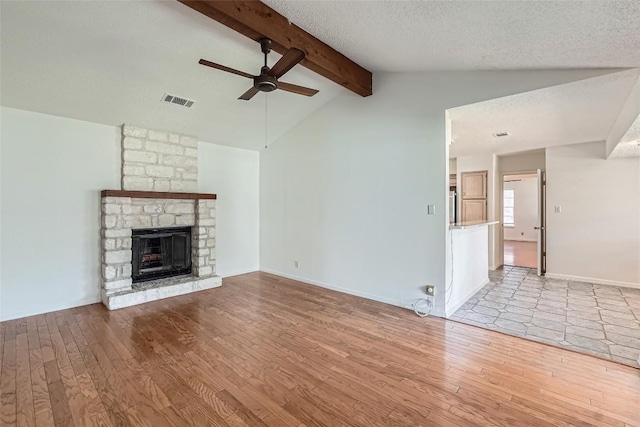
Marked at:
<point>148,232</point>
<point>160,253</point>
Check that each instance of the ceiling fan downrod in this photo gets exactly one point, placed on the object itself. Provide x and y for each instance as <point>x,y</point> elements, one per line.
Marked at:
<point>265,82</point>
<point>265,45</point>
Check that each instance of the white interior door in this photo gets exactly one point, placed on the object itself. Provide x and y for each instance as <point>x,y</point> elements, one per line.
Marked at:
<point>541,227</point>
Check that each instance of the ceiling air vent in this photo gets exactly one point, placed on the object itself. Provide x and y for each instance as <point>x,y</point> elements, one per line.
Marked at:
<point>500,134</point>
<point>172,99</point>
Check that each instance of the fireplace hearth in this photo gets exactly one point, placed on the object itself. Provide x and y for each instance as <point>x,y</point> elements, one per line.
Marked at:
<point>159,253</point>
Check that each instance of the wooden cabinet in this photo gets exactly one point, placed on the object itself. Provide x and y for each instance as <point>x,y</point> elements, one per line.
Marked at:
<point>474,210</point>
<point>473,204</point>
<point>474,185</point>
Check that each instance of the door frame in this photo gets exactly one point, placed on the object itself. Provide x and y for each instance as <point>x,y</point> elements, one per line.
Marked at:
<point>500,207</point>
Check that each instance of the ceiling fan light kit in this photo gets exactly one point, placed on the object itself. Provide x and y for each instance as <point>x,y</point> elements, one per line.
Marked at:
<point>267,80</point>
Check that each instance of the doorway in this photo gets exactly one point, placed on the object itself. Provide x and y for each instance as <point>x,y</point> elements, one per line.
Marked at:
<point>521,218</point>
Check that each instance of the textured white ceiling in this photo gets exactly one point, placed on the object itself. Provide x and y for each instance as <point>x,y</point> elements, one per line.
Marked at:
<point>111,62</point>
<point>472,35</point>
<point>582,111</point>
<point>629,145</point>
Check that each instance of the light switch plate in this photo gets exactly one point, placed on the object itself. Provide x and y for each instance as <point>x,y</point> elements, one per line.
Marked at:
<point>431,209</point>
<point>557,209</point>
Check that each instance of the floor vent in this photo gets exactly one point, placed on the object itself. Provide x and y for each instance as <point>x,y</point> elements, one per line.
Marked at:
<point>172,99</point>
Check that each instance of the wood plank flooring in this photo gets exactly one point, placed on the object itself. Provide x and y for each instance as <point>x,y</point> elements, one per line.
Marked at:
<point>267,351</point>
<point>521,254</point>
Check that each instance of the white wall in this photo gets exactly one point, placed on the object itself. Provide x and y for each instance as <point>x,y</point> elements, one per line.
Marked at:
<point>345,192</point>
<point>52,171</point>
<point>233,174</point>
<point>470,259</point>
<point>522,162</point>
<point>596,237</point>
<point>526,210</point>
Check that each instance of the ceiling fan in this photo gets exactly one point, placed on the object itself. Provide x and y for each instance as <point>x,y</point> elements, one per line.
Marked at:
<point>267,81</point>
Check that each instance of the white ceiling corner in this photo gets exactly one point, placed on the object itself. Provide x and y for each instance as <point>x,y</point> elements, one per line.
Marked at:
<point>629,145</point>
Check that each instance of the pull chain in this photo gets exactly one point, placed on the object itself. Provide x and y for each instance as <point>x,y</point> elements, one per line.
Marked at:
<point>265,120</point>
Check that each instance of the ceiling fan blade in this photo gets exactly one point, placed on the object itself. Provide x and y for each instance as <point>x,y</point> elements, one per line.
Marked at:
<point>223,68</point>
<point>249,94</point>
<point>287,62</point>
<point>300,90</point>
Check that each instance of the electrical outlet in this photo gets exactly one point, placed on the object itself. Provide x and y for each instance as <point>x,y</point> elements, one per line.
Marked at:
<point>430,290</point>
<point>295,264</point>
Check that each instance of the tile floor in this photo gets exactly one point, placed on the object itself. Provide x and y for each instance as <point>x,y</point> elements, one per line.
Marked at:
<point>596,319</point>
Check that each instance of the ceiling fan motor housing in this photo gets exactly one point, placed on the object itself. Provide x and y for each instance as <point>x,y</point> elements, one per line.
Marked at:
<point>265,82</point>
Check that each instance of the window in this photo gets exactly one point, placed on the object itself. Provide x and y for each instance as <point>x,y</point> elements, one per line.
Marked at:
<point>508,212</point>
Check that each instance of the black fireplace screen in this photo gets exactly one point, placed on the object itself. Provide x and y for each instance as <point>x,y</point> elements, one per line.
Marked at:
<point>161,252</point>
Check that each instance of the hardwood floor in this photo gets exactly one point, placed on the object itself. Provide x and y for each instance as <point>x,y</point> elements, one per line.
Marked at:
<point>521,254</point>
<point>268,351</point>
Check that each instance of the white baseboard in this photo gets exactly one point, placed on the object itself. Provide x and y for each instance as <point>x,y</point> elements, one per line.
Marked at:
<point>592,280</point>
<point>238,272</point>
<point>49,309</point>
<point>337,288</point>
<point>472,292</point>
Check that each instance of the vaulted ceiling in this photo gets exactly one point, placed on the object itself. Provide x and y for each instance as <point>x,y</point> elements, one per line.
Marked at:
<point>111,62</point>
<point>629,145</point>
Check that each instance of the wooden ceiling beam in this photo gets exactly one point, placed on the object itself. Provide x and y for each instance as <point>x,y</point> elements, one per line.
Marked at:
<point>256,20</point>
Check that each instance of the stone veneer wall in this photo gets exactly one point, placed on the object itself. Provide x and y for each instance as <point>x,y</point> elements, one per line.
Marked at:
<point>158,161</point>
<point>120,215</point>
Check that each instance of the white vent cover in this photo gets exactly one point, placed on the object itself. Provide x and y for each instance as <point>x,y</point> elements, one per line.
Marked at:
<point>172,99</point>
<point>500,134</point>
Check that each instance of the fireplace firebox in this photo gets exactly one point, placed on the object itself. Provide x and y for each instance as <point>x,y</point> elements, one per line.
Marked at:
<point>160,253</point>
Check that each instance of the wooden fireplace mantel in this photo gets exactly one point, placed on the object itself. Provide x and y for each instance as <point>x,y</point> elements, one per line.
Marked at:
<point>157,195</point>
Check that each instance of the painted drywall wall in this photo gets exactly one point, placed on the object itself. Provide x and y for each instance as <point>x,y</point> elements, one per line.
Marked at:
<point>525,210</point>
<point>596,236</point>
<point>345,192</point>
<point>52,171</point>
<point>233,174</point>
<point>522,162</point>
<point>452,166</point>
<point>470,259</point>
